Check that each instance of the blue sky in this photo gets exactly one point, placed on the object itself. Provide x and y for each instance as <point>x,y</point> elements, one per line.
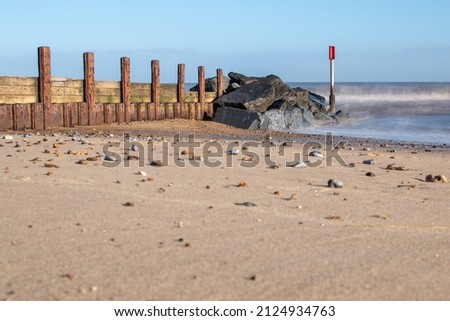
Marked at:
<point>382,40</point>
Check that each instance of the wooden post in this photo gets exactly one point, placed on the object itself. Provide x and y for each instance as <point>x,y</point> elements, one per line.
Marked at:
<point>332,57</point>
<point>89,84</point>
<point>201,84</point>
<point>45,82</point>
<point>219,82</point>
<point>125,86</point>
<point>201,90</point>
<point>155,83</point>
<point>181,83</point>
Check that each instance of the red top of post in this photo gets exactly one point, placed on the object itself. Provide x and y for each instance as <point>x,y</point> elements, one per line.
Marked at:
<point>332,52</point>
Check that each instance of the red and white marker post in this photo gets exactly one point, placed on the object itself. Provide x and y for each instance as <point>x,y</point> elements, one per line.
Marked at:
<point>332,56</point>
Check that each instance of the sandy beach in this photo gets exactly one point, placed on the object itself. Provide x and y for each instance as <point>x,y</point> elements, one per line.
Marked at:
<point>212,226</point>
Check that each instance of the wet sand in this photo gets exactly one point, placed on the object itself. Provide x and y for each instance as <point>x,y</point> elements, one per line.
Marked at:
<point>78,229</point>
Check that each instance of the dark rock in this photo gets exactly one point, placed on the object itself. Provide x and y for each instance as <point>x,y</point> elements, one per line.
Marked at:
<point>237,117</point>
<point>259,95</point>
<point>241,79</point>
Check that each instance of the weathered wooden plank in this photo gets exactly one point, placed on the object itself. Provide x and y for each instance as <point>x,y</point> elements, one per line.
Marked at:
<point>151,111</point>
<point>37,116</point>
<point>70,115</point>
<point>18,81</point>
<point>107,84</point>
<point>67,82</point>
<point>191,111</point>
<point>5,99</point>
<point>54,117</point>
<point>210,97</point>
<point>6,117</point>
<point>18,90</point>
<point>177,110</point>
<point>82,114</point>
<point>120,113</point>
<point>68,99</point>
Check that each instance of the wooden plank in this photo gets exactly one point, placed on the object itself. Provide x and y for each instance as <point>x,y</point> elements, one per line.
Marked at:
<point>199,111</point>
<point>107,84</point>
<point>89,83</point>
<point>191,111</point>
<point>177,110</point>
<point>210,97</point>
<point>68,99</point>
<point>70,114</point>
<point>54,116</point>
<point>169,111</point>
<point>19,81</point>
<point>141,111</point>
<point>18,90</point>
<point>82,114</point>
<point>6,117</point>
<point>37,118</point>
<point>120,113</point>
<point>67,82</point>
<point>5,99</point>
<point>151,111</point>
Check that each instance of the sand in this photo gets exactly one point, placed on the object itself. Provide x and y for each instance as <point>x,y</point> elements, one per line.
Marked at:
<point>96,232</point>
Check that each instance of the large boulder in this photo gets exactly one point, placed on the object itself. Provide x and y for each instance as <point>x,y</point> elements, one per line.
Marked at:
<point>269,103</point>
<point>260,95</point>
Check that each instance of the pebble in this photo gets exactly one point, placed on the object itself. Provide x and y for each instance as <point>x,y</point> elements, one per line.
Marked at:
<point>110,158</point>
<point>335,183</point>
<point>316,153</point>
<point>50,165</point>
<point>370,174</point>
<point>247,159</point>
<point>157,163</point>
<point>128,204</point>
<point>94,159</point>
<point>82,162</point>
<point>351,165</point>
<point>396,167</point>
<point>8,137</point>
<point>436,178</point>
<point>234,151</point>
<point>369,162</point>
<point>248,204</point>
<point>134,148</point>
<point>132,157</point>
<point>142,173</point>
<point>242,184</point>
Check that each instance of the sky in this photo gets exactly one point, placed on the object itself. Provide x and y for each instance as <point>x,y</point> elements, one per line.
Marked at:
<point>377,40</point>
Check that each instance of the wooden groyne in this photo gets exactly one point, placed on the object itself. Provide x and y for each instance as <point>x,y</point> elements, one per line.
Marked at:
<point>46,102</point>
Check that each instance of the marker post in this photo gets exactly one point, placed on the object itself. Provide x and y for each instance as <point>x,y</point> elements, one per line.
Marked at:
<point>332,56</point>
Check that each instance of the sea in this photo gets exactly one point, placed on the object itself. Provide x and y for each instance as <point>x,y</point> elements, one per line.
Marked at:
<point>401,111</point>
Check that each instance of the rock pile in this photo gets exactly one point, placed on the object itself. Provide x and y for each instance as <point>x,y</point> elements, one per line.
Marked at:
<point>268,103</point>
